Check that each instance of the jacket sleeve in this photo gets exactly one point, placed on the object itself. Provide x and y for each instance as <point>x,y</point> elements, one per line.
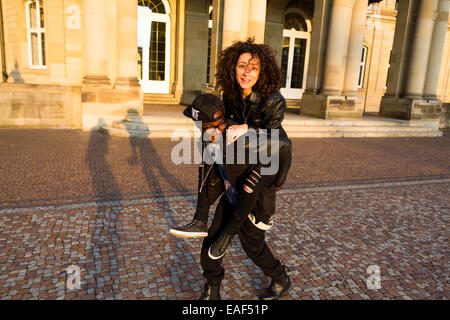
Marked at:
<point>273,111</point>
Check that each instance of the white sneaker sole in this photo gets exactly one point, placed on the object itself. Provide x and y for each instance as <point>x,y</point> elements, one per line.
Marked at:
<point>212,257</point>
<point>183,234</point>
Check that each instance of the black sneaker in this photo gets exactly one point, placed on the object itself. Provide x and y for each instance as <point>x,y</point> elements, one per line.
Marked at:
<point>195,229</point>
<point>211,293</point>
<point>278,287</point>
<point>220,246</point>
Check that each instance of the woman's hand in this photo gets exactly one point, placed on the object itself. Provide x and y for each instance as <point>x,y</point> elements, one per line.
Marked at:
<point>235,131</point>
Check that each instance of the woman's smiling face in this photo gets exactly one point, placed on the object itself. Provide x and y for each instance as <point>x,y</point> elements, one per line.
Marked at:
<point>247,72</point>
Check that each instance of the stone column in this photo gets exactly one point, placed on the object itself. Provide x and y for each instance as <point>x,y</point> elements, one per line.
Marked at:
<point>178,84</point>
<point>96,44</point>
<point>317,49</point>
<point>415,60</point>
<point>404,30</point>
<point>216,43</point>
<point>355,47</point>
<point>127,69</point>
<point>195,51</point>
<point>337,45</point>
<point>103,104</point>
<point>437,49</point>
<point>4,74</point>
<point>421,49</point>
<point>232,22</point>
<point>329,59</point>
<point>257,20</point>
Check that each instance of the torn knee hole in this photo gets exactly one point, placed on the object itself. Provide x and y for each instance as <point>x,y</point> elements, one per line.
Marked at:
<point>257,173</point>
<point>248,189</point>
<point>252,180</point>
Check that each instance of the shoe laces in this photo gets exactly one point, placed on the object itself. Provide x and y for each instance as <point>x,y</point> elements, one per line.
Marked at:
<point>227,239</point>
<point>190,224</point>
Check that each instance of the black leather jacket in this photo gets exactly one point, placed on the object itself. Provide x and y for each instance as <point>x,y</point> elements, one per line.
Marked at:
<point>256,111</point>
<point>260,113</point>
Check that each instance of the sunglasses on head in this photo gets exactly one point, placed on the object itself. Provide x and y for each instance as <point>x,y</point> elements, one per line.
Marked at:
<point>219,122</point>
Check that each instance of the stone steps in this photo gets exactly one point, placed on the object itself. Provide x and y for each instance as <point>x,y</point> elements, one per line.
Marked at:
<point>298,134</point>
<point>364,134</point>
<point>293,103</point>
<point>290,129</point>
<point>166,131</point>
<point>159,99</point>
<point>162,122</point>
<point>296,121</point>
<point>125,133</point>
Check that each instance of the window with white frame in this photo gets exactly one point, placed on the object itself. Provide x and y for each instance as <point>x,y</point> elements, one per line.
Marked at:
<point>362,67</point>
<point>36,33</point>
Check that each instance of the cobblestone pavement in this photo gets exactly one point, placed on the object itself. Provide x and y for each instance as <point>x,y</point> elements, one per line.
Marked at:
<point>350,207</point>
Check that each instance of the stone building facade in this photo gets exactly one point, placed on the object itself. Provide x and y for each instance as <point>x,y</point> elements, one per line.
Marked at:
<point>84,63</point>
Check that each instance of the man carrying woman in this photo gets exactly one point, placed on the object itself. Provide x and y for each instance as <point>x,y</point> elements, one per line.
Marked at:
<point>250,79</point>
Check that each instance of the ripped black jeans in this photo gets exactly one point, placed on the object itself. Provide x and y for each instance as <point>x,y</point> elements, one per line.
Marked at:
<point>253,184</point>
<point>252,240</point>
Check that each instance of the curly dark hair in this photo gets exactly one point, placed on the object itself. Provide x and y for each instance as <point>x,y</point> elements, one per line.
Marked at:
<point>270,75</point>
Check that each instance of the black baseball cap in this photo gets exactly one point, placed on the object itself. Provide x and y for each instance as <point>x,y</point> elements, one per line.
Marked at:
<point>203,109</point>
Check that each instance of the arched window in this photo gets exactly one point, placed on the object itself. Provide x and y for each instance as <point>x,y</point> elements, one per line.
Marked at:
<point>295,53</point>
<point>295,21</point>
<point>154,45</point>
<point>36,33</point>
<point>155,5</point>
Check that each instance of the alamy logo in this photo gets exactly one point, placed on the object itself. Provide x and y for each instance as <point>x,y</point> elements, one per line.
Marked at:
<point>374,281</point>
<point>74,279</point>
<point>74,17</point>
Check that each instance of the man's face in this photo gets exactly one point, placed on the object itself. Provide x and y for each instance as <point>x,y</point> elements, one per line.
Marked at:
<point>213,133</point>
